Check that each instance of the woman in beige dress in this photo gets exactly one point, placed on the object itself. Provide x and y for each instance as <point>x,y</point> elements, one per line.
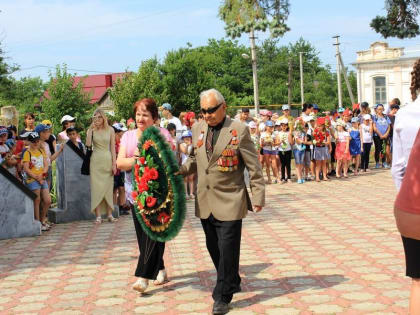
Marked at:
<point>102,166</point>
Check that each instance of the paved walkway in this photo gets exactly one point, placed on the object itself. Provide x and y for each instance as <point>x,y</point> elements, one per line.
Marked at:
<point>327,248</point>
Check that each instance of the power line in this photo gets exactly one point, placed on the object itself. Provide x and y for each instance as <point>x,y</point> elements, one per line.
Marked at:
<point>72,69</point>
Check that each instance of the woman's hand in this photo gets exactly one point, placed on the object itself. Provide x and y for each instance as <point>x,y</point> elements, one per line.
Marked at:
<point>114,168</point>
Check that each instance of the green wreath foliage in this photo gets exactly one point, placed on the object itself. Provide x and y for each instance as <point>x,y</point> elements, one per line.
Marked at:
<point>164,160</point>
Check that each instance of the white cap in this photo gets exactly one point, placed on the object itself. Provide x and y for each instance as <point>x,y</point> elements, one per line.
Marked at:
<point>284,121</point>
<point>252,125</point>
<point>67,118</point>
<point>366,117</point>
<point>278,122</point>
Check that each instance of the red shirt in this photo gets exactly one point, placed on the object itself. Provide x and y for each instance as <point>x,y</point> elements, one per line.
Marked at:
<point>408,198</point>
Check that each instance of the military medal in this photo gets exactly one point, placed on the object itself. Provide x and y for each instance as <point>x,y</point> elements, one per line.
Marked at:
<point>200,139</point>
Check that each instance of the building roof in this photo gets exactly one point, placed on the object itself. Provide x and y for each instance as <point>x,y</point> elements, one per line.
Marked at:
<point>96,85</point>
<point>380,52</point>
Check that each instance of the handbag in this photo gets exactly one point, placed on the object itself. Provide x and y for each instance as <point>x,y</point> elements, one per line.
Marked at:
<point>85,170</point>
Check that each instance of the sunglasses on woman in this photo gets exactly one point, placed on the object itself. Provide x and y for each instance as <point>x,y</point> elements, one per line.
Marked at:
<point>211,110</point>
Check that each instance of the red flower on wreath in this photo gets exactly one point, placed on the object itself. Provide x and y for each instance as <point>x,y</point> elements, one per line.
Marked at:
<point>136,170</point>
<point>147,144</point>
<point>163,218</point>
<point>234,133</point>
<point>150,201</point>
<point>153,174</point>
<point>142,187</point>
<point>134,194</point>
<point>142,160</point>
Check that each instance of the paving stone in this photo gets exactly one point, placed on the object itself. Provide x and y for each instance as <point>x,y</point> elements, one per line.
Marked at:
<point>311,259</point>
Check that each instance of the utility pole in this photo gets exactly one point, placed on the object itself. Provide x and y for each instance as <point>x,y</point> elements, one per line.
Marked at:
<point>347,80</point>
<point>289,84</point>
<point>337,46</point>
<point>302,95</point>
<point>254,72</point>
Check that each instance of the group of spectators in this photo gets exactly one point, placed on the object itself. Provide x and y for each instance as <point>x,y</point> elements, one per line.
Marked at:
<point>322,144</point>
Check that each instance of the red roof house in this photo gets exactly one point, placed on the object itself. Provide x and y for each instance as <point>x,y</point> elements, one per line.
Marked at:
<point>98,84</point>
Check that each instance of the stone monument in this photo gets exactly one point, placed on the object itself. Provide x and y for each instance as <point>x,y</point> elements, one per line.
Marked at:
<point>16,208</point>
<point>73,189</point>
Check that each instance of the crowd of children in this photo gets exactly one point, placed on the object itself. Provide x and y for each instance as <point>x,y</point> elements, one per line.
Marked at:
<point>323,145</point>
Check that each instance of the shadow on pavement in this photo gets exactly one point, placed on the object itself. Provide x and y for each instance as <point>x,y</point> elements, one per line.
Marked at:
<point>264,289</point>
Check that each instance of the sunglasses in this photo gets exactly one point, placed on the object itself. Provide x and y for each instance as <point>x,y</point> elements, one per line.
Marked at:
<point>211,110</point>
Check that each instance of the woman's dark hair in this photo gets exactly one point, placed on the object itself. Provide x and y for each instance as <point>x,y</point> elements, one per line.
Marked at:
<point>64,123</point>
<point>26,116</point>
<point>306,106</point>
<point>150,105</point>
<point>415,80</point>
<point>32,115</point>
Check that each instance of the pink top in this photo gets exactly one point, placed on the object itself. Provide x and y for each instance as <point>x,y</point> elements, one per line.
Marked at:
<point>408,198</point>
<point>129,141</point>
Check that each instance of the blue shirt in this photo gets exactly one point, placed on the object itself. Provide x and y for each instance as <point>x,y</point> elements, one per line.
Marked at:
<point>382,124</point>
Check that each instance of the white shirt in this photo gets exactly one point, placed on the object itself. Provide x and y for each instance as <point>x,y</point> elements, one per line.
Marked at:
<point>407,124</point>
<point>174,120</point>
<point>366,135</point>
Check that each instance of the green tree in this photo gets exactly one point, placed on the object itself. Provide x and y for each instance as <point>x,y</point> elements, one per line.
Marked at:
<point>146,82</point>
<point>400,20</point>
<point>6,82</point>
<point>65,97</point>
<point>243,16</point>
<point>189,71</point>
<point>26,93</point>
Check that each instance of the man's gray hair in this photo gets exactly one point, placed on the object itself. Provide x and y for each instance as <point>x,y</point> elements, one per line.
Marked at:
<point>219,97</point>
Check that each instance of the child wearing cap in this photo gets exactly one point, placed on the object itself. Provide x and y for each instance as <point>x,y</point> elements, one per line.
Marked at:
<point>342,151</point>
<point>284,140</point>
<point>381,128</point>
<point>267,143</point>
<point>356,144</point>
<point>35,165</point>
<point>186,148</point>
<point>366,134</point>
<point>254,135</point>
<point>322,149</point>
<point>66,122</point>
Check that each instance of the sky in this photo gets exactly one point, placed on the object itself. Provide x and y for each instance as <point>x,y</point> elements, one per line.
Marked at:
<point>104,36</point>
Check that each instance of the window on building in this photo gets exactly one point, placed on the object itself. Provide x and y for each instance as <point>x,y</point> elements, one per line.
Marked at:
<point>380,90</point>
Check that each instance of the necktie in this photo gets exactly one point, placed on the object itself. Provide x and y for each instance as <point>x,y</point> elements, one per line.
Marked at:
<point>209,143</point>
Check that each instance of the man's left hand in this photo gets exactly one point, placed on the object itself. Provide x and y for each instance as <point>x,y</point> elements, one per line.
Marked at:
<point>257,208</point>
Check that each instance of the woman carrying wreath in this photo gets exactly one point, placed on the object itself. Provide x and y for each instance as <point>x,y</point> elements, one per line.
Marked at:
<point>150,265</point>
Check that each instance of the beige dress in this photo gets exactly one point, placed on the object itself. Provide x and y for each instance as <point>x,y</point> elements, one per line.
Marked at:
<point>101,177</point>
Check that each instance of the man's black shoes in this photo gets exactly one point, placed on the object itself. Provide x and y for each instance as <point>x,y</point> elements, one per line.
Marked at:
<point>220,307</point>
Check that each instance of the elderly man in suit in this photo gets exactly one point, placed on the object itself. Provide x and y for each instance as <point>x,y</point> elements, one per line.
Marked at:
<point>222,150</point>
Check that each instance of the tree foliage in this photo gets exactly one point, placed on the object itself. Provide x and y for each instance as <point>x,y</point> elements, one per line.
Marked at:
<point>65,97</point>
<point>400,21</point>
<point>146,82</point>
<point>241,16</point>
<point>185,72</point>
<point>6,81</point>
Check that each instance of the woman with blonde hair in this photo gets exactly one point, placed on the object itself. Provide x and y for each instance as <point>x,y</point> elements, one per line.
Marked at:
<point>101,137</point>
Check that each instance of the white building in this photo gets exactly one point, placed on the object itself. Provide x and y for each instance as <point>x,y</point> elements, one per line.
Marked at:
<point>384,73</point>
